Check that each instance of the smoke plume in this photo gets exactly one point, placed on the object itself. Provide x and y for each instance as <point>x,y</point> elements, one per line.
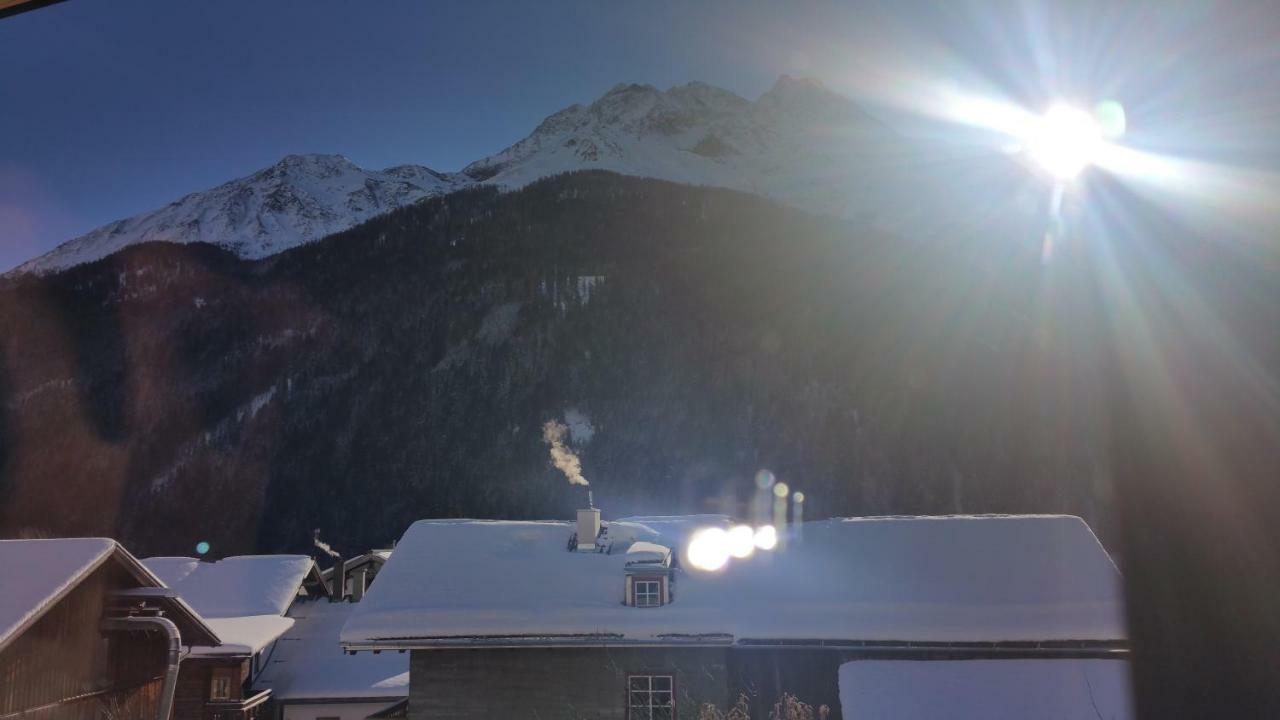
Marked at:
<point>562,457</point>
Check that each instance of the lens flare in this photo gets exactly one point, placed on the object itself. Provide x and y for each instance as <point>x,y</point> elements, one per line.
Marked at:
<point>781,490</point>
<point>1064,141</point>
<point>766,537</point>
<point>1111,118</point>
<point>202,547</point>
<point>709,549</point>
<point>741,541</point>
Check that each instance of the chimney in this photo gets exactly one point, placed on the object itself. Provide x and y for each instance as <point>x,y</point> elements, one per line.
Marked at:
<point>338,580</point>
<point>358,580</point>
<point>588,526</point>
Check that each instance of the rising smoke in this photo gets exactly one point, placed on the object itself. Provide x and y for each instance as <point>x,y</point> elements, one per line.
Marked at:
<point>553,433</point>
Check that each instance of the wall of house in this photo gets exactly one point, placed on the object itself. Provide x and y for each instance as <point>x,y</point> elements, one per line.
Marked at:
<point>65,666</point>
<point>195,677</point>
<point>812,674</point>
<point>557,683</point>
<point>763,675</point>
<point>338,711</point>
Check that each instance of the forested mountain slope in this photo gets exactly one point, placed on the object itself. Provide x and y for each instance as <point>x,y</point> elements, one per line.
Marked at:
<point>402,369</point>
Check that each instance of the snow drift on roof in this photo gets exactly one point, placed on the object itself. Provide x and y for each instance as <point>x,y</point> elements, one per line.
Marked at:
<point>911,579</point>
<point>308,662</point>
<point>1059,689</point>
<point>244,635</point>
<point>38,572</point>
<point>171,570</point>
<point>236,586</point>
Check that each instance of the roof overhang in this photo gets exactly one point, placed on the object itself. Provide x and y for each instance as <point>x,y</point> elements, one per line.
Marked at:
<point>193,628</point>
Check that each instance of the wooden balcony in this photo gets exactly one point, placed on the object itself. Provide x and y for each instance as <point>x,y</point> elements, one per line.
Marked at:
<point>246,709</point>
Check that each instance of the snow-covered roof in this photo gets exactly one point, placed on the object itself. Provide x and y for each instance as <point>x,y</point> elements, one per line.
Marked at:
<point>1058,689</point>
<point>236,586</point>
<point>308,663</point>
<point>244,635</point>
<point>643,551</point>
<point>37,573</point>
<point>171,569</point>
<point>952,579</point>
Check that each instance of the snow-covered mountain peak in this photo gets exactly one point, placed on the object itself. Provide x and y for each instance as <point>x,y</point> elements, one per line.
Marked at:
<point>299,199</point>
<point>799,142</point>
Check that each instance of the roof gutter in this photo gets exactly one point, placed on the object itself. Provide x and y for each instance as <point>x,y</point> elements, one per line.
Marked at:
<point>870,648</point>
<point>166,626</point>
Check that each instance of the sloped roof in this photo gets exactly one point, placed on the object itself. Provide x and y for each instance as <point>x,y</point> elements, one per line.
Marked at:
<point>235,586</point>
<point>39,572</point>
<point>244,635</point>
<point>243,598</point>
<point>1058,689</point>
<point>308,663</point>
<point>948,579</point>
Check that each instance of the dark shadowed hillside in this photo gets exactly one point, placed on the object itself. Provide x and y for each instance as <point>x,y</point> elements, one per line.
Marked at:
<point>400,370</point>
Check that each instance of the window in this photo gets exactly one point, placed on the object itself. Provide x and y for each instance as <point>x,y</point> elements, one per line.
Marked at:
<point>220,688</point>
<point>648,593</point>
<point>651,697</point>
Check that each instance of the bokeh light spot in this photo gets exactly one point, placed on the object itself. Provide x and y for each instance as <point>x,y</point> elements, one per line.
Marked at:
<point>709,549</point>
<point>766,537</point>
<point>1110,117</point>
<point>742,541</point>
<point>202,547</point>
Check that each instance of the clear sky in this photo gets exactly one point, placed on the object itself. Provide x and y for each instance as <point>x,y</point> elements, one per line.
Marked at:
<point>109,108</point>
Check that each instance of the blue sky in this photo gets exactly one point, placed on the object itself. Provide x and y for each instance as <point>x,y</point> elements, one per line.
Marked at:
<point>112,107</point>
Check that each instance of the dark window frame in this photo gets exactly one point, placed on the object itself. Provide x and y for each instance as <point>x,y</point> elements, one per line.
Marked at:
<point>656,596</point>
<point>650,676</point>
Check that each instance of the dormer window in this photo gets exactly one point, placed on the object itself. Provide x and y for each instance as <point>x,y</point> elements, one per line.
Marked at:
<point>648,573</point>
<point>647,593</point>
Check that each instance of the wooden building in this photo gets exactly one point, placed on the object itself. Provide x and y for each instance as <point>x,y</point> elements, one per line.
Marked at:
<point>975,616</point>
<point>87,632</point>
<point>245,600</point>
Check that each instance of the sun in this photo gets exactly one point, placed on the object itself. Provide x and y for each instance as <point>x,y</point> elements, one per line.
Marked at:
<point>1063,141</point>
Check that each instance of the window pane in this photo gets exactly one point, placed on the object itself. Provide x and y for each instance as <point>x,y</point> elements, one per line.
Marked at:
<point>662,682</point>
<point>663,713</point>
<point>640,682</point>
<point>641,713</point>
<point>639,697</point>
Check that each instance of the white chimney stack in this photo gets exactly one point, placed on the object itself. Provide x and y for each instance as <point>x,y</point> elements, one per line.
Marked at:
<point>588,529</point>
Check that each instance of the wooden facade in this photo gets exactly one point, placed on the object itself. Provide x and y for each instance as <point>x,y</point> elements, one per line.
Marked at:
<point>64,667</point>
<point>578,682</point>
<point>592,682</point>
<point>194,699</point>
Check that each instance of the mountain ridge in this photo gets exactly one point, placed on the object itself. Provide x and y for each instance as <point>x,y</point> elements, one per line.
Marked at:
<point>799,143</point>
